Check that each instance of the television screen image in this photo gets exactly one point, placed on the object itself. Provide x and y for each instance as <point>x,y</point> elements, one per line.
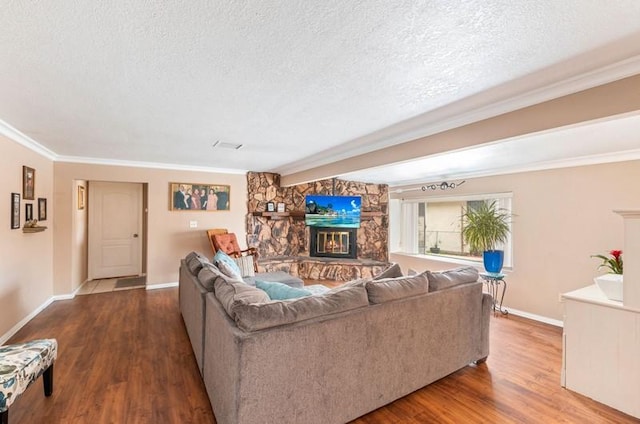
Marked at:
<point>332,211</point>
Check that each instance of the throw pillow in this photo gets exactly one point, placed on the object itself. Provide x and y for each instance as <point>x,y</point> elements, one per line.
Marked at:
<point>387,289</point>
<point>245,263</point>
<point>279,291</point>
<point>227,265</point>
<point>392,271</point>
<point>450,278</point>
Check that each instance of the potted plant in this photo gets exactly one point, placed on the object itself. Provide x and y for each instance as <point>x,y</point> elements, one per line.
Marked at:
<point>435,248</point>
<point>611,283</point>
<point>484,227</point>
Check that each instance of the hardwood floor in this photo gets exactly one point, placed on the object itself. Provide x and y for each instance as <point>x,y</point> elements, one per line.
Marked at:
<point>124,357</point>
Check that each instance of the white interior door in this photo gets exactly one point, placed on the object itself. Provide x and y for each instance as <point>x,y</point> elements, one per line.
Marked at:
<point>115,226</point>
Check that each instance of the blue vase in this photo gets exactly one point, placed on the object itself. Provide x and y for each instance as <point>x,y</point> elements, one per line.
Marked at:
<point>493,260</point>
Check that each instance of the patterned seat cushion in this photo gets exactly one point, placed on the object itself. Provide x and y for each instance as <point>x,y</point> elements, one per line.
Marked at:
<point>22,364</point>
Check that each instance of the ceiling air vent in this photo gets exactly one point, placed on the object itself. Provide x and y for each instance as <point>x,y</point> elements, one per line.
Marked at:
<point>221,145</point>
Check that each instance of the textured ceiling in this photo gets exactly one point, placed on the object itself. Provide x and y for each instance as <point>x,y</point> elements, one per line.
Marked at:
<point>159,81</point>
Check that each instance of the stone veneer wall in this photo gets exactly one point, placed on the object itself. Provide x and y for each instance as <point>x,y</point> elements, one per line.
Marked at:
<point>290,237</point>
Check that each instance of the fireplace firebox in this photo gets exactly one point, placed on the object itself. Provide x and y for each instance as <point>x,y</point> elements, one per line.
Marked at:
<point>333,242</point>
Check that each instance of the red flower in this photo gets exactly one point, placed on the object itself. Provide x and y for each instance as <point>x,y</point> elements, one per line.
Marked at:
<point>616,254</point>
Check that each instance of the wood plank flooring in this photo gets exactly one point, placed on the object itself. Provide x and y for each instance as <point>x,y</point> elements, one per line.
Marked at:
<point>124,357</point>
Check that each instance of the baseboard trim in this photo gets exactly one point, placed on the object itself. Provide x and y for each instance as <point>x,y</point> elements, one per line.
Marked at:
<point>539,318</point>
<point>6,336</point>
<point>162,286</point>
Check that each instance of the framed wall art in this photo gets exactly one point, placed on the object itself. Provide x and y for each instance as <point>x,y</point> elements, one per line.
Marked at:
<point>28,211</point>
<point>81,198</point>
<point>42,209</point>
<point>28,183</point>
<point>15,211</point>
<point>199,197</point>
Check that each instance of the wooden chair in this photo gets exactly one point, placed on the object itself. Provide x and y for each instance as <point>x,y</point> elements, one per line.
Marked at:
<point>213,232</point>
<point>220,239</point>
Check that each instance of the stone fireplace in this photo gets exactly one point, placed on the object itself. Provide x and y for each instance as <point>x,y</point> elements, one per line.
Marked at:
<point>285,243</point>
<point>333,242</point>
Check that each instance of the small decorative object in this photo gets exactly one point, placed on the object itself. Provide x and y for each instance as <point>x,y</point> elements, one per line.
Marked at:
<point>280,207</point>
<point>80,197</point>
<point>271,207</point>
<point>442,186</point>
<point>484,227</point>
<point>31,223</point>
<point>611,284</point>
<point>15,211</point>
<point>28,211</point>
<point>42,209</point>
<point>199,197</point>
<point>612,263</point>
<point>28,183</point>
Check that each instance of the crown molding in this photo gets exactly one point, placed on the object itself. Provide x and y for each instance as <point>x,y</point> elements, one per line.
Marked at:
<point>152,165</point>
<point>493,102</point>
<point>23,139</point>
<point>622,156</point>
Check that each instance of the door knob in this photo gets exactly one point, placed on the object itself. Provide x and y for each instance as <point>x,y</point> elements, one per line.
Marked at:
<point>135,236</point>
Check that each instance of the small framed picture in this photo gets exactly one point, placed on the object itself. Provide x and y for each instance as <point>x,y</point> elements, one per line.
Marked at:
<point>15,211</point>
<point>42,209</point>
<point>28,183</point>
<point>28,211</point>
<point>280,207</point>
<point>271,207</point>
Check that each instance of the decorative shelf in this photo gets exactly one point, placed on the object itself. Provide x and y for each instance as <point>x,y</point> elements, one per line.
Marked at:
<point>279,215</point>
<point>300,215</point>
<point>33,229</point>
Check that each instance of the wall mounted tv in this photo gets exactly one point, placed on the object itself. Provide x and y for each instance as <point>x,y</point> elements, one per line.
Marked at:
<point>332,211</point>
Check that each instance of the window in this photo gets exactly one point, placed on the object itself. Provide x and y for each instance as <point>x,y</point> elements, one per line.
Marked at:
<point>433,226</point>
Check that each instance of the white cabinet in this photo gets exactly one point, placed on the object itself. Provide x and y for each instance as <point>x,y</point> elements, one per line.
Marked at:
<point>602,349</point>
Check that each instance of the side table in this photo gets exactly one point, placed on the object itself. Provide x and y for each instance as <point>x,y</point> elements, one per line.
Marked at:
<point>495,282</point>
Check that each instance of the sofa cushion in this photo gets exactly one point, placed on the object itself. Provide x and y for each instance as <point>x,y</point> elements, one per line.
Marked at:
<point>257,316</point>
<point>360,282</point>
<point>231,292</point>
<point>207,277</point>
<point>387,289</point>
<point>392,271</point>
<point>227,265</point>
<point>195,262</point>
<point>245,264</point>
<point>452,277</point>
<point>279,291</point>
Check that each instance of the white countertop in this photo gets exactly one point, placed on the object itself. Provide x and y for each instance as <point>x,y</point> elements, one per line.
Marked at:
<point>592,294</point>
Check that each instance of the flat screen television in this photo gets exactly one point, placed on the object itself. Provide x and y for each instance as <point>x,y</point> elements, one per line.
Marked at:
<point>332,211</point>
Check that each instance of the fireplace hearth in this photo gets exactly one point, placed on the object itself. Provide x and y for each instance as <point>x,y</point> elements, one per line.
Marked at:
<point>333,242</point>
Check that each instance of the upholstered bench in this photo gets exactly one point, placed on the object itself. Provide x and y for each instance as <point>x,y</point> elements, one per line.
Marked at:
<point>22,364</point>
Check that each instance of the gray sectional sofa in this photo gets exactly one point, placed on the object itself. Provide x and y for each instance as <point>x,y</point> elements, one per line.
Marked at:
<point>333,357</point>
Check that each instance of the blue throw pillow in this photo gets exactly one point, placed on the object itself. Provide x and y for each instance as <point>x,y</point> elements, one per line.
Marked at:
<point>229,262</point>
<point>279,291</point>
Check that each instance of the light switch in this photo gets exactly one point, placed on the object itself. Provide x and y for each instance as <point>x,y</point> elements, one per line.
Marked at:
<point>193,224</point>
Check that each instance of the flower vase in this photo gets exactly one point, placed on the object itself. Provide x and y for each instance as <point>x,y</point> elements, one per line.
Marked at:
<point>610,285</point>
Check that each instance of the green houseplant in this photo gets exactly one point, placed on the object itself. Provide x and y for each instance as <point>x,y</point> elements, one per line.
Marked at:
<point>484,227</point>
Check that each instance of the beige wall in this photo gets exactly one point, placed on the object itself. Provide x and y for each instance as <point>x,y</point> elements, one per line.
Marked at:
<point>169,237</point>
<point>563,217</point>
<point>25,269</point>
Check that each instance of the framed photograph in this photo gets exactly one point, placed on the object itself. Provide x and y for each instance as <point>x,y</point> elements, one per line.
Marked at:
<point>81,197</point>
<point>280,207</point>
<point>28,211</point>
<point>42,209</point>
<point>28,183</point>
<point>15,211</point>
<point>199,197</point>
<point>271,207</point>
